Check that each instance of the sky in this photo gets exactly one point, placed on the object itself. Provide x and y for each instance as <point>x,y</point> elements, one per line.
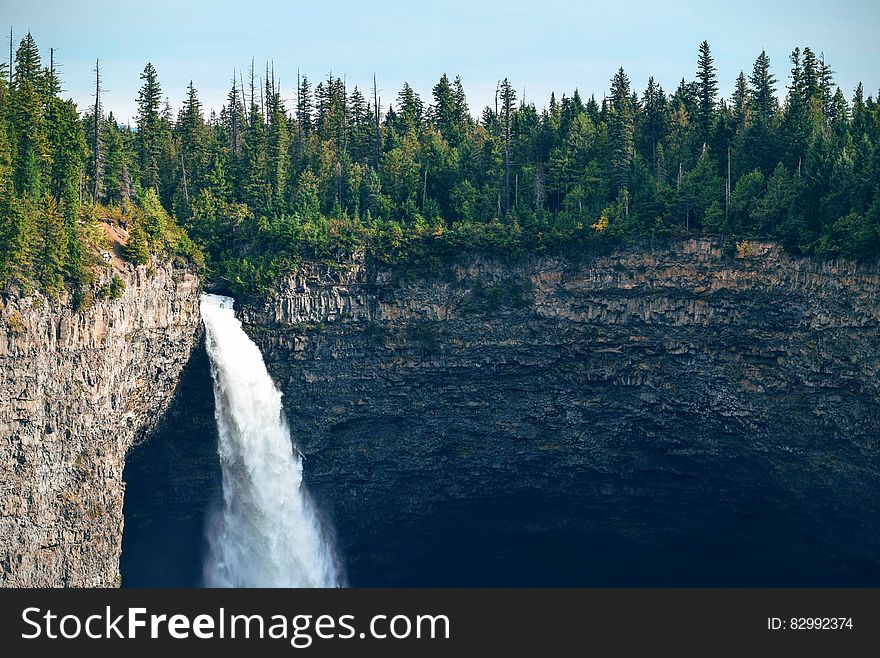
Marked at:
<point>540,45</point>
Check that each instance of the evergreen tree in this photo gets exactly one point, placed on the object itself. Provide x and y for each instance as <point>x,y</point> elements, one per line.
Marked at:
<point>654,124</point>
<point>826,84</point>
<point>116,176</point>
<point>803,113</point>
<point>66,141</point>
<point>20,237</point>
<point>50,253</point>
<point>620,131</point>
<point>304,105</point>
<point>443,112</point>
<point>839,117</point>
<point>149,123</point>
<point>685,96</point>
<point>508,100</point>
<point>31,154</point>
<point>762,92</point>
<point>740,102</point>
<point>97,165</point>
<point>707,89</point>
<point>361,142</point>
<point>410,110</point>
<point>191,131</point>
<point>811,79</point>
<point>136,248</point>
<point>860,115</point>
<point>278,143</point>
<point>460,107</point>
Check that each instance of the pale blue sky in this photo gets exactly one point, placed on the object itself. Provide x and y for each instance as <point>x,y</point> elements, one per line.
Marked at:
<point>541,45</point>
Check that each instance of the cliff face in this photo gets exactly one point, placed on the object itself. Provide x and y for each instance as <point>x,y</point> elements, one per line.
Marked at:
<point>672,417</point>
<point>77,390</point>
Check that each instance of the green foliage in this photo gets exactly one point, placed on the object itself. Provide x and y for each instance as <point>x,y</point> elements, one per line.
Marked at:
<point>137,249</point>
<point>112,290</point>
<point>419,185</point>
<point>15,323</point>
<point>117,287</point>
<point>506,294</point>
<point>153,230</point>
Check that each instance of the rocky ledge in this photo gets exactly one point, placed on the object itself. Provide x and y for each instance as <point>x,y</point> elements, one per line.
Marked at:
<point>77,390</point>
<point>677,415</point>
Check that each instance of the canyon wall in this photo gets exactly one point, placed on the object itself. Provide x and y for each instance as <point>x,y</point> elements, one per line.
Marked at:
<point>77,390</point>
<point>675,415</point>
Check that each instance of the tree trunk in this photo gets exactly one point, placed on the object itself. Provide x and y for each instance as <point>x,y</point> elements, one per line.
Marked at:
<point>378,130</point>
<point>96,148</point>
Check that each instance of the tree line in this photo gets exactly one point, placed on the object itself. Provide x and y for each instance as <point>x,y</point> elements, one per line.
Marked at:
<point>326,168</point>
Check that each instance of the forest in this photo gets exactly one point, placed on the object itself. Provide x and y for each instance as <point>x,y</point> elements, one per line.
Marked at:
<point>326,169</point>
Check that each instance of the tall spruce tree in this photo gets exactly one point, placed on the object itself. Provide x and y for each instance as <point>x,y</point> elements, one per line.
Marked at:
<point>442,113</point>
<point>192,152</point>
<point>654,120</point>
<point>149,122</point>
<point>31,155</point>
<point>762,90</point>
<point>620,131</point>
<point>508,104</point>
<point>739,102</point>
<point>707,89</point>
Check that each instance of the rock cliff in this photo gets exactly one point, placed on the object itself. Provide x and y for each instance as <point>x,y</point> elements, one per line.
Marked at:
<point>77,390</point>
<point>672,416</point>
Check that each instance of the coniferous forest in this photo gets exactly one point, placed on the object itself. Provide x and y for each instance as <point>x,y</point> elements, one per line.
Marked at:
<point>247,191</point>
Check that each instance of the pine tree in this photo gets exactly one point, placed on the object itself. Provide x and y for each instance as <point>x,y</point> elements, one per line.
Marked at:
<point>191,131</point>
<point>410,110</point>
<point>149,127</point>
<point>115,164</point>
<point>839,116</point>
<point>136,248</point>
<point>707,89</point>
<point>31,155</point>
<point>304,105</point>
<point>234,112</point>
<point>97,168</point>
<point>811,76</point>
<point>620,132</point>
<point>6,147</point>
<point>740,102</point>
<point>443,112</point>
<point>654,123</point>
<point>361,147</point>
<point>860,115</point>
<point>254,163</point>
<point>67,142</point>
<point>461,112</point>
<point>797,126</point>
<point>20,237</point>
<point>508,100</point>
<point>27,63</point>
<point>686,96</point>
<point>763,98</point>
<point>826,84</point>
<point>234,121</point>
<point>278,142</point>
<point>50,255</point>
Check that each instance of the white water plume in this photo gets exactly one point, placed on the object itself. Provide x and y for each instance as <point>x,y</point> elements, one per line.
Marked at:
<point>267,533</point>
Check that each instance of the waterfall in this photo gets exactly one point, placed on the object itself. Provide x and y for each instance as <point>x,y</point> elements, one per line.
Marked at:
<point>267,533</point>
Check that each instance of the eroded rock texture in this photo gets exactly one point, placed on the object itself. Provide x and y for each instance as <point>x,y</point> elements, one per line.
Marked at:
<point>77,390</point>
<point>670,417</point>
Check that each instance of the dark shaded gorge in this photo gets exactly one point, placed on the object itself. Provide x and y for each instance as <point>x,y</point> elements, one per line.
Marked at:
<point>172,480</point>
<point>466,477</point>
